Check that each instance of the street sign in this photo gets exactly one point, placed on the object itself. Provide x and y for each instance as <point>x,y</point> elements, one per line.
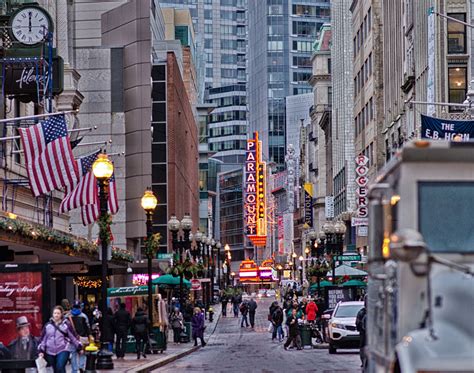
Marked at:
<point>164,256</point>
<point>363,231</point>
<point>357,222</point>
<point>195,284</point>
<point>348,258</point>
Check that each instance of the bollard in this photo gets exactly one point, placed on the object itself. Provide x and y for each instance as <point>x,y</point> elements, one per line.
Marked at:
<point>91,353</point>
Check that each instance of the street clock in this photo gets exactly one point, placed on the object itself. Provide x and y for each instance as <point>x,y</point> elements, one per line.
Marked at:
<point>30,25</point>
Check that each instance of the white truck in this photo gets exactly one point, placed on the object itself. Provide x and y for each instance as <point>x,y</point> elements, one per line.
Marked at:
<point>420,313</point>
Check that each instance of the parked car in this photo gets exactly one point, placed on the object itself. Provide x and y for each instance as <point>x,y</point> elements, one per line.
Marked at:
<point>342,328</point>
<point>271,293</point>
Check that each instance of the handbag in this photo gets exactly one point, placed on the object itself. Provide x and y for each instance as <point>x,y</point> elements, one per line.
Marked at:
<point>269,317</point>
<point>41,364</point>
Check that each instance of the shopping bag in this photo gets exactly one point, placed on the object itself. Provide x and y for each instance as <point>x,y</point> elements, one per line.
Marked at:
<point>270,327</point>
<point>41,365</point>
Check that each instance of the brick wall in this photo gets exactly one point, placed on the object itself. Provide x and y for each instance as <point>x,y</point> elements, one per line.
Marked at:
<point>183,190</point>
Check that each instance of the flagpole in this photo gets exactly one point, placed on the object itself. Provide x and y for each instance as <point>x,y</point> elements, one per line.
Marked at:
<point>85,144</point>
<point>38,116</point>
<point>88,129</point>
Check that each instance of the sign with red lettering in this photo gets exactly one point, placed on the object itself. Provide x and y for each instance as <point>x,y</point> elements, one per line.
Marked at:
<point>362,180</point>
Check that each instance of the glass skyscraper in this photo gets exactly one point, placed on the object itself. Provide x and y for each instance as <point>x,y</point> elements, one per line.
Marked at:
<point>281,34</point>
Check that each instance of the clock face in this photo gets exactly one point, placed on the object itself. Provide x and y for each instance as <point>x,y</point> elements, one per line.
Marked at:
<point>30,25</point>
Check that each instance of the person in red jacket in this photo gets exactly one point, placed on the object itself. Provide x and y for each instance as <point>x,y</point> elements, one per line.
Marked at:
<point>311,311</point>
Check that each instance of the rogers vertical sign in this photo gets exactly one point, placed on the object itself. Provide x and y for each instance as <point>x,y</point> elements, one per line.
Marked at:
<point>362,180</point>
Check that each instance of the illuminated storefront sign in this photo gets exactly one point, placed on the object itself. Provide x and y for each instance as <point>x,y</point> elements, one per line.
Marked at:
<point>255,193</point>
<point>248,271</point>
<point>142,279</point>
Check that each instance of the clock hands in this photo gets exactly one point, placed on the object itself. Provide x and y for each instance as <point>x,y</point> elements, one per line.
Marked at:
<point>29,22</point>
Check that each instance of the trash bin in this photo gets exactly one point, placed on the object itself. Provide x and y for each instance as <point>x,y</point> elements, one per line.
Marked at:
<point>188,329</point>
<point>157,340</point>
<point>305,334</point>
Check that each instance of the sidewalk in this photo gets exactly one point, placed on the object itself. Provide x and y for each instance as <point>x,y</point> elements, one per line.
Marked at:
<point>173,352</point>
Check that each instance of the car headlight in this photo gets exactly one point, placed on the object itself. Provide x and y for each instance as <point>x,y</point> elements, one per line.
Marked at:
<point>338,326</point>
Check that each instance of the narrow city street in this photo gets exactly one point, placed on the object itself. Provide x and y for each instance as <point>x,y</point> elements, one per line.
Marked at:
<point>235,349</point>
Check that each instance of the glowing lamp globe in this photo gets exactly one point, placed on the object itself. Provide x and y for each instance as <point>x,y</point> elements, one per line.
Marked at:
<point>149,201</point>
<point>103,168</point>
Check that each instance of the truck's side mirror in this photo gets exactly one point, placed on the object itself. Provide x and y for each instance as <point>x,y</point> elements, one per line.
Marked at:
<point>406,245</point>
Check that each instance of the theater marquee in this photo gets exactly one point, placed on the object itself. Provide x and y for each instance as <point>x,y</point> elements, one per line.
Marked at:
<point>255,193</point>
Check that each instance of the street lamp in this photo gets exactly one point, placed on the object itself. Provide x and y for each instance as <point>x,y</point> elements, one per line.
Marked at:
<point>103,170</point>
<point>149,202</point>
<point>232,275</point>
<point>218,247</point>
<point>334,241</point>
<point>180,244</point>
<point>294,256</point>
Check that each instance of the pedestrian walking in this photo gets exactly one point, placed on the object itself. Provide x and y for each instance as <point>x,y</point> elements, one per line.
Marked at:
<point>236,300</point>
<point>244,310</point>
<point>277,321</point>
<point>293,331</point>
<point>80,322</point>
<point>57,339</point>
<point>197,325</point>
<point>361,324</point>
<point>140,326</point>
<point>122,322</point>
<point>252,305</point>
<point>109,329</point>
<point>177,324</point>
<point>224,301</point>
<point>311,311</point>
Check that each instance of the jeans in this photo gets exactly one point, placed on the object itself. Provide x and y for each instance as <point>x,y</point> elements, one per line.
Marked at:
<point>78,361</point>
<point>277,330</point>
<point>236,310</point>
<point>224,309</point>
<point>244,318</point>
<point>58,362</point>
<point>120,345</point>
<point>141,341</point>
<point>252,319</point>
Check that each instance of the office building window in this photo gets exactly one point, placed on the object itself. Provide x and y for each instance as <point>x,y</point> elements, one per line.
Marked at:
<point>457,77</point>
<point>209,72</point>
<point>208,28</point>
<point>302,46</point>
<point>228,44</point>
<point>209,57</point>
<point>275,45</point>
<point>208,43</point>
<point>369,19</point>
<point>228,58</point>
<point>301,76</point>
<point>275,10</point>
<point>302,61</point>
<point>228,15</point>
<point>456,34</point>
<point>329,95</point>
<point>207,14</point>
<point>228,73</point>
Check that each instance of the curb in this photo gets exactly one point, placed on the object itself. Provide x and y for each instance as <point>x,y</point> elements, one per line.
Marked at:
<point>158,364</point>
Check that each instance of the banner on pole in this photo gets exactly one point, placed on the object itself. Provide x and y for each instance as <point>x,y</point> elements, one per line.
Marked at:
<point>444,129</point>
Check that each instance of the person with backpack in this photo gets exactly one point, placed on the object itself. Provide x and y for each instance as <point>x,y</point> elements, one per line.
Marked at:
<point>361,324</point>
<point>80,323</point>
<point>244,310</point>
<point>109,329</point>
<point>224,301</point>
<point>56,341</point>
<point>122,322</point>
<point>140,325</point>
<point>252,305</point>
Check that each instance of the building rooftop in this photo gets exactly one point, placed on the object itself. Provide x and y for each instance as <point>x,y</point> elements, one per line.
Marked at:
<point>323,43</point>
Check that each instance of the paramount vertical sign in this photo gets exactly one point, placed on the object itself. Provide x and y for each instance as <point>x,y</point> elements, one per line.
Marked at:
<point>255,194</point>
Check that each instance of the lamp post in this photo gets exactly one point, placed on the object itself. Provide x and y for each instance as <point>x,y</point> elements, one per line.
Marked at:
<point>232,275</point>
<point>149,202</point>
<point>334,242</point>
<point>227,261</point>
<point>294,264</point>
<point>279,269</point>
<point>180,244</point>
<point>312,235</point>
<point>103,170</point>
<point>218,248</point>
<point>213,267</point>
<point>300,267</point>
<point>198,236</point>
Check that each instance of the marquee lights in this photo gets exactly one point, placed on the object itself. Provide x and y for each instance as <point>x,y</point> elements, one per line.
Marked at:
<point>255,182</point>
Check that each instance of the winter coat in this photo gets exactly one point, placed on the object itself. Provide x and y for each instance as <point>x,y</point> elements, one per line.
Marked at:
<point>299,313</point>
<point>176,320</point>
<point>122,321</point>
<point>252,306</point>
<point>311,311</point>
<point>80,322</point>
<point>19,353</point>
<point>109,328</point>
<point>54,341</point>
<point>244,309</point>
<point>292,326</point>
<point>277,316</point>
<point>197,324</point>
<point>140,324</point>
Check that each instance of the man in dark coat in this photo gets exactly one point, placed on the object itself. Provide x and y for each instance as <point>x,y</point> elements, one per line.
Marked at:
<point>244,310</point>
<point>122,322</point>
<point>25,346</point>
<point>293,331</point>
<point>140,326</point>
<point>252,309</point>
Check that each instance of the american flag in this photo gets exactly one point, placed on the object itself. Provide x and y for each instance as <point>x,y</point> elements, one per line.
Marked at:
<point>85,192</point>
<point>50,163</point>
<point>90,212</point>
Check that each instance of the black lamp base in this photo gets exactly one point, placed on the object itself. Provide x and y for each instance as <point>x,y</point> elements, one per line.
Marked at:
<point>104,360</point>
